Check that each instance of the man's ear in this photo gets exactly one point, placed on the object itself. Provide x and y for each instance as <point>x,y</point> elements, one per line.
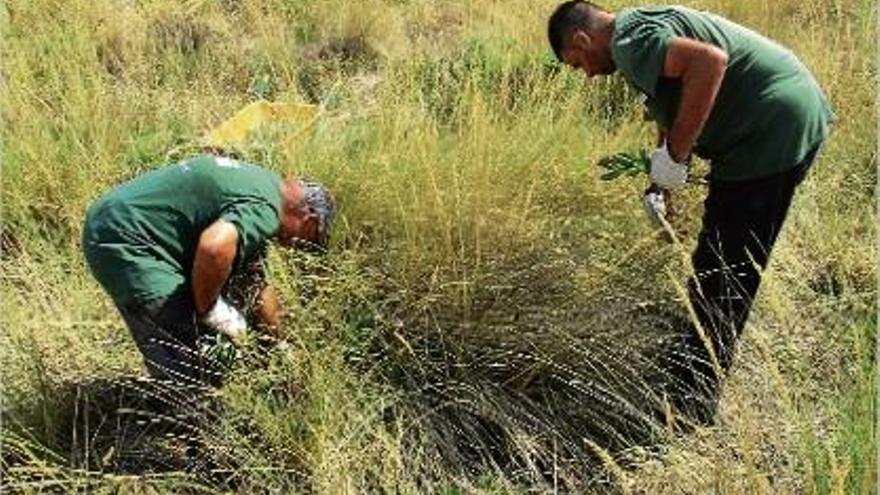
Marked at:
<point>580,40</point>
<point>314,223</point>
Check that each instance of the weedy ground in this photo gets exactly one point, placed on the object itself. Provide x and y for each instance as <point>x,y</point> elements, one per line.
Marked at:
<point>489,316</point>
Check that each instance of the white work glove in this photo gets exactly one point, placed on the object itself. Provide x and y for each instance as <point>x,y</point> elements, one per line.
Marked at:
<point>666,172</point>
<point>224,318</point>
<point>655,206</point>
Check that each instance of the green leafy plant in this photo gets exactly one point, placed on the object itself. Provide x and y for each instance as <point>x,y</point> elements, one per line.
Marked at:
<point>219,348</point>
<point>627,164</point>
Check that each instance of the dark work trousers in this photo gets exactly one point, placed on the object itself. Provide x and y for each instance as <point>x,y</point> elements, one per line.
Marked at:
<point>166,333</point>
<point>741,222</point>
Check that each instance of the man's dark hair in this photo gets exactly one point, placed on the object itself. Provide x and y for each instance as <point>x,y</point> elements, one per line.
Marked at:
<point>569,17</point>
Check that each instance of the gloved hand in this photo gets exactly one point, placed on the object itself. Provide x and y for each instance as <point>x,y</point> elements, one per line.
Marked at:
<point>655,205</point>
<point>666,172</point>
<point>224,318</point>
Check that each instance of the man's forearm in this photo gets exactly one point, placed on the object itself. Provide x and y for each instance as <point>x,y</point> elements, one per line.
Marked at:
<point>696,104</point>
<point>213,262</point>
<point>701,69</point>
<point>208,278</point>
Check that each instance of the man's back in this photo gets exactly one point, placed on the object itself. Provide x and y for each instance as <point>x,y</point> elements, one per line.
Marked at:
<point>142,235</point>
<point>769,112</point>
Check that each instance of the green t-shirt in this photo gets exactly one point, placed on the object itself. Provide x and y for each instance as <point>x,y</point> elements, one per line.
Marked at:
<point>140,238</point>
<point>769,112</point>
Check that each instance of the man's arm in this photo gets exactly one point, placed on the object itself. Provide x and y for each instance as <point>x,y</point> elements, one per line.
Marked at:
<point>270,311</point>
<point>700,67</point>
<point>215,254</point>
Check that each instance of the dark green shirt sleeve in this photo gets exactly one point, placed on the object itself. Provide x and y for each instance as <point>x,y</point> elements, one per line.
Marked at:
<point>639,51</point>
<point>256,222</point>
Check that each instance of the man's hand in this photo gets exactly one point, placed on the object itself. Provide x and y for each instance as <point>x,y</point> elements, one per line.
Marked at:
<point>666,172</point>
<point>655,205</point>
<point>224,318</point>
<point>270,312</point>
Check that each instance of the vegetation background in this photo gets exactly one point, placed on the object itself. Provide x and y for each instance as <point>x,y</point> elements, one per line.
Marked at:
<point>489,314</point>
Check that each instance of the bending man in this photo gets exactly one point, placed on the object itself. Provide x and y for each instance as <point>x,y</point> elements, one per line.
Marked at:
<point>731,96</point>
<point>164,245</point>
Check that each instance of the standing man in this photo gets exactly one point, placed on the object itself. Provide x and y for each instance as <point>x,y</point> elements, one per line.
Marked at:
<point>164,245</point>
<point>735,98</point>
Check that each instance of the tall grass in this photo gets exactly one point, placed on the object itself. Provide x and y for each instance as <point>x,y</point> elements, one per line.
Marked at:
<point>489,315</point>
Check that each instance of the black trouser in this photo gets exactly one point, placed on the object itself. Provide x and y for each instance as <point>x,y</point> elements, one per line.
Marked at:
<point>166,332</point>
<point>741,222</point>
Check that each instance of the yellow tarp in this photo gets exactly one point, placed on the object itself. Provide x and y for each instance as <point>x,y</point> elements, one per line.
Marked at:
<point>236,129</point>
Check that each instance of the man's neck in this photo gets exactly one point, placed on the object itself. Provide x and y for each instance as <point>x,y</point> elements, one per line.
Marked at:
<point>605,28</point>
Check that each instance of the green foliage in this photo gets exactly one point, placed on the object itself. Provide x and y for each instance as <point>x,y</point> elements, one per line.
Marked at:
<point>220,349</point>
<point>845,462</point>
<point>628,164</point>
<point>489,69</point>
